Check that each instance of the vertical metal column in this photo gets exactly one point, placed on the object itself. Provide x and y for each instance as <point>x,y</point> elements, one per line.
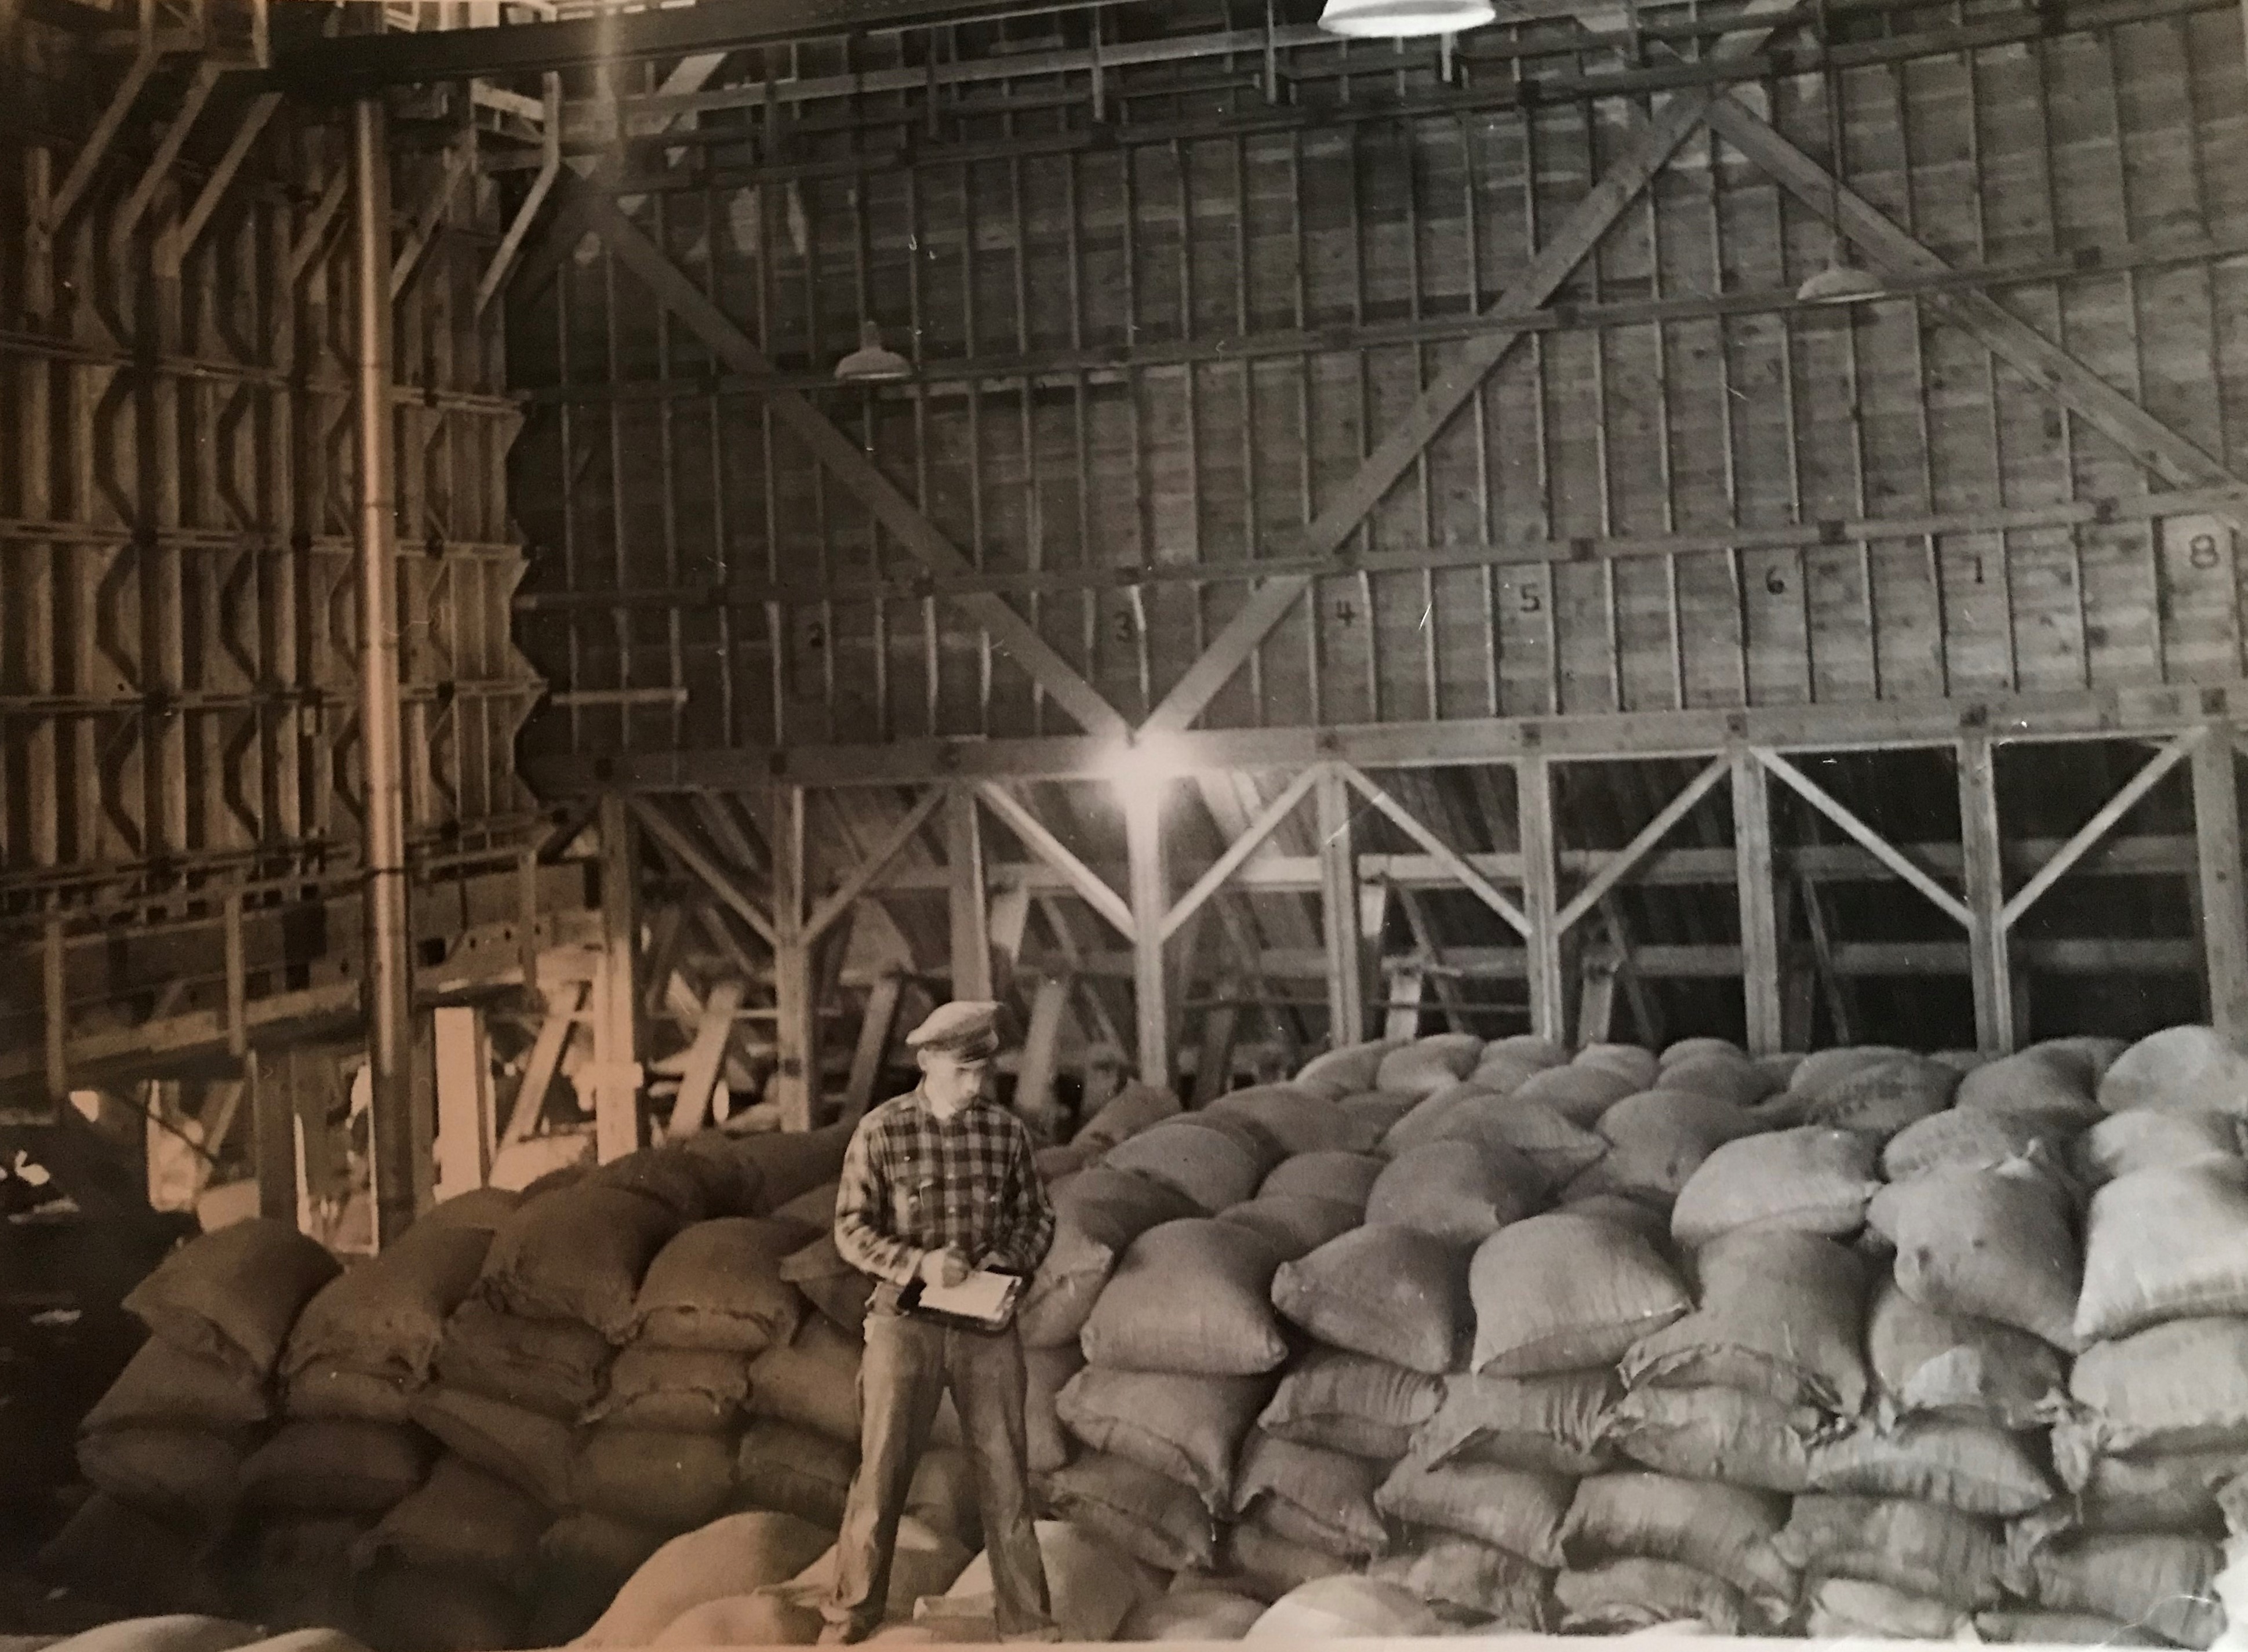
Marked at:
<point>616,1075</point>
<point>972,906</point>
<point>1541,901</point>
<point>389,960</point>
<point>2223,909</point>
<point>796,1027</point>
<point>1759,906</point>
<point>1339,908</point>
<point>1988,960</point>
<point>1151,997</point>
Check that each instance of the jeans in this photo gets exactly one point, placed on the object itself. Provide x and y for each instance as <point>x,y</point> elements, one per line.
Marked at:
<point>906,1367</point>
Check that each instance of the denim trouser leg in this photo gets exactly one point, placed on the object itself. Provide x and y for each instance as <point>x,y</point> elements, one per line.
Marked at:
<point>900,1379</point>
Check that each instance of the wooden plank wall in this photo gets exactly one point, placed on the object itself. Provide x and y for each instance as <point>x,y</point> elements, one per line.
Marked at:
<point>178,642</point>
<point>1154,346</point>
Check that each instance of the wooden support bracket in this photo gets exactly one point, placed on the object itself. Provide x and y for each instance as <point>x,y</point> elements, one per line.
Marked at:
<point>1051,849</point>
<point>1867,839</point>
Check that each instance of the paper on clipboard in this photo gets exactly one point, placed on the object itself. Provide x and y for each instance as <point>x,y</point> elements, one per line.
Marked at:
<point>983,1295</point>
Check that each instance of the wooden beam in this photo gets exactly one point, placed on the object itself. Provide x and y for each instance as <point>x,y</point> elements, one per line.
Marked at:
<point>615,1077</point>
<point>1345,952</point>
<point>877,1028</point>
<point>2223,910</point>
<point>864,875</point>
<point>1760,961</point>
<point>1646,1012</point>
<point>1221,1028</point>
<point>182,242</point>
<point>1631,854</point>
<point>2102,822</point>
<point>464,1099</point>
<point>1867,838</point>
<point>1549,1006</point>
<point>796,1075</point>
<point>1443,852</point>
<point>1406,982</point>
<point>690,1109</point>
<point>457,160</point>
<point>970,901</point>
<point>1431,948</point>
<point>2169,456</point>
<point>273,1136</point>
<point>691,855</point>
<point>543,1062</point>
<point>1051,849</point>
<point>1568,244</point>
<point>1151,996</point>
<point>1991,967</point>
<point>1246,843</point>
<point>844,458</point>
<point>1841,1015</point>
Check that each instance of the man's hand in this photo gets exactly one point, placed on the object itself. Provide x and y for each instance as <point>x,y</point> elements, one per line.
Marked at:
<point>945,1267</point>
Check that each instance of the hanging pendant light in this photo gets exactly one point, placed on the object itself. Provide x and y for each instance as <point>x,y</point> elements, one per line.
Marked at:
<point>1841,282</point>
<point>871,362</point>
<point>1399,19</point>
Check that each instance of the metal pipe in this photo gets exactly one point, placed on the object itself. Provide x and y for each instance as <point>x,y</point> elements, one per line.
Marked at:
<point>390,971</point>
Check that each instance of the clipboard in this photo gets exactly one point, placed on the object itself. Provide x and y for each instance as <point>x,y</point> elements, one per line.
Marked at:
<point>983,1301</point>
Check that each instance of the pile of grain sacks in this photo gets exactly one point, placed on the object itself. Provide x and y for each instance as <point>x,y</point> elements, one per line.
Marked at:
<point>1438,1335</point>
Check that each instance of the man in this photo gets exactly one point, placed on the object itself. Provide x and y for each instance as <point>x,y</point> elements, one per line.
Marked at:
<point>936,1182</point>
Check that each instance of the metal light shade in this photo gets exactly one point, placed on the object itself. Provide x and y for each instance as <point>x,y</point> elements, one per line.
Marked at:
<point>1396,19</point>
<point>870,360</point>
<point>1840,283</point>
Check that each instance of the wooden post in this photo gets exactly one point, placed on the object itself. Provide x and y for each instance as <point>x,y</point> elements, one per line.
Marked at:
<point>273,1132</point>
<point>1990,965</point>
<point>971,906</point>
<point>1541,898</point>
<point>1340,910</point>
<point>796,1025</point>
<point>544,1060</point>
<point>1759,909</point>
<point>690,1108</point>
<point>2225,916</point>
<point>1221,1026</point>
<point>1151,900</point>
<point>464,1100</point>
<point>616,1075</point>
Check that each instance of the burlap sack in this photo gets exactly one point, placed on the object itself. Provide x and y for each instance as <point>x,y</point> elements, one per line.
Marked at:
<point>1192,1296</point>
<point>1046,1372</point>
<point>739,1553</point>
<point>1461,1193</point>
<point>340,1467</point>
<point>400,1608</point>
<point>1843,1608</point>
<point>1563,1293</point>
<point>1207,1165</point>
<point>108,1550</point>
<point>1294,1226</point>
<point>674,1390</point>
<point>2187,1069</point>
<point>1338,1178</point>
<point>793,1470</point>
<point>1717,1434</point>
<point>1780,1315</point>
<point>1549,1424</point>
<point>323,1390</point>
<point>1811,1180</point>
<point>2177,1387</point>
<point>526,1450</point>
<point>1300,1120</point>
<point>1096,1218</point>
<point>1723,1530</point>
<point>1973,1469</point>
<point>1154,1519</point>
<point>387,1314</point>
<point>1428,1064</point>
<point>1987,1243</point>
<point>554,1366</point>
<point>232,1296</point>
<point>1975,1139</point>
<point>2165,1245</point>
<point>811,1382</point>
<point>1189,1429</point>
<point>462,1519</point>
<point>1346,1070</point>
<point>1510,1509</point>
<point>2032,1628</point>
<point>838,1290</point>
<point>2154,1138</point>
<point>2162,1582</point>
<point>183,1476</point>
<point>1462,1578</point>
<point>718,1287</point>
<point>1886,1098</point>
<point>1262,1563</point>
<point>1322,1498</point>
<point>166,1386</point>
<point>1367,1407</point>
<point>1922,1548</point>
<point>668,1482</point>
<point>1343,1608</point>
<point>1947,1365</point>
<point>1391,1293</point>
<point>578,1254</point>
<point>1619,1597</point>
<point>1579,1095</point>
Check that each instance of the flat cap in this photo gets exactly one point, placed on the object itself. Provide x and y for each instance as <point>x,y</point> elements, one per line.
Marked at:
<point>968,1027</point>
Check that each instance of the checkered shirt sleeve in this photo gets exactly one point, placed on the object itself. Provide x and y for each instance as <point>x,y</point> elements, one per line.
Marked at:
<point>911,1185</point>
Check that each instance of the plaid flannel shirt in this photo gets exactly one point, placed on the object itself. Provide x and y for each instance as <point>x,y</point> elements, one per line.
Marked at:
<point>913,1183</point>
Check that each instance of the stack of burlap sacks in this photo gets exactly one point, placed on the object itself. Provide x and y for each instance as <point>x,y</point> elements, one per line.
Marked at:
<point>511,1408</point>
<point>1798,1346</point>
